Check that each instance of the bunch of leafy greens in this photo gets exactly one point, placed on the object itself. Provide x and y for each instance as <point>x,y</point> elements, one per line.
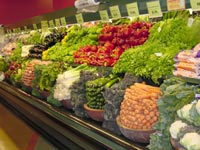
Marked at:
<point>176,94</point>
<point>46,75</point>
<point>3,64</point>
<point>76,37</point>
<point>33,38</point>
<point>154,59</point>
<point>16,55</point>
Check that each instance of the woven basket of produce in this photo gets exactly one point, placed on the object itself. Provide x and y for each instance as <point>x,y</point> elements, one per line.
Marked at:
<point>95,114</point>
<point>176,145</point>
<point>139,112</point>
<point>137,135</point>
<point>67,104</point>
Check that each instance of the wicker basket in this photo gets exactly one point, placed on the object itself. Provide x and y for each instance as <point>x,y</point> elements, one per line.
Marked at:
<point>67,104</point>
<point>95,114</point>
<point>176,145</point>
<point>136,135</point>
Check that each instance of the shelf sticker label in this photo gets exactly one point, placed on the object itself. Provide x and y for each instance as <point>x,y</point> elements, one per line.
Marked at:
<point>51,24</point>
<point>63,21</point>
<point>104,15</point>
<point>79,18</point>
<point>18,30</point>
<point>195,4</point>
<point>115,12</point>
<point>175,4</point>
<point>154,9</point>
<point>14,30</point>
<point>44,26</point>
<point>132,9</point>
<point>25,28</point>
<point>35,27</point>
<point>57,22</point>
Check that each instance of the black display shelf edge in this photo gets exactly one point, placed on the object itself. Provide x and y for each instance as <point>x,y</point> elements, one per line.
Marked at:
<point>62,124</point>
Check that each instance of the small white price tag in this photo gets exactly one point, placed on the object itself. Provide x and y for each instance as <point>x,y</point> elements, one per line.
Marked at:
<point>132,9</point>
<point>158,54</point>
<point>195,4</point>
<point>154,9</point>
<point>190,22</point>
<point>35,27</point>
<point>63,21</point>
<point>51,24</point>
<point>115,12</point>
<point>159,29</point>
<point>175,4</point>
<point>44,26</point>
<point>79,18</point>
<point>104,15</point>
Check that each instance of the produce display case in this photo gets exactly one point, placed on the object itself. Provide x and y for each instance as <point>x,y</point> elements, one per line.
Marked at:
<point>60,126</point>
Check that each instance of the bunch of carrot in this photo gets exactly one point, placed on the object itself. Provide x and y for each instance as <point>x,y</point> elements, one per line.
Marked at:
<point>139,108</point>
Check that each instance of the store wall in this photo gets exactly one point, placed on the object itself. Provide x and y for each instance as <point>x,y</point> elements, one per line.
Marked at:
<point>12,11</point>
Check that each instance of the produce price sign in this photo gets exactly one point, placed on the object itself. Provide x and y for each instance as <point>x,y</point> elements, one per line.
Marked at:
<point>18,30</point>
<point>51,24</point>
<point>79,18</point>
<point>57,22</point>
<point>104,15</point>
<point>154,9</point>
<point>115,12</point>
<point>2,35</point>
<point>44,26</point>
<point>35,27</point>
<point>175,4</point>
<point>132,9</point>
<point>25,28</point>
<point>195,5</point>
<point>63,21</point>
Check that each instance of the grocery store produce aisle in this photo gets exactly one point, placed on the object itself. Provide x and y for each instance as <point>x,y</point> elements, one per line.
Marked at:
<point>16,135</point>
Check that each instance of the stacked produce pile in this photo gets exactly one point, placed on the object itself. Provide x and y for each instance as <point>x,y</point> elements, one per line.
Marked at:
<point>176,94</point>
<point>187,63</point>
<point>139,107</point>
<point>3,64</point>
<point>113,97</point>
<point>154,59</point>
<point>49,39</point>
<point>94,89</point>
<point>45,78</point>
<point>14,72</point>
<point>36,51</point>
<point>28,74</point>
<point>113,41</point>
<point>186,129</point>
<point>78,92</point>
<point>78,89</point>
<point>8,48</point>
<point>62,88</point>
<point>76,37</point>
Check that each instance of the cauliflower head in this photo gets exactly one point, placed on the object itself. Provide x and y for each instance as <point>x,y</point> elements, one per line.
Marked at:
<point>176,127</point>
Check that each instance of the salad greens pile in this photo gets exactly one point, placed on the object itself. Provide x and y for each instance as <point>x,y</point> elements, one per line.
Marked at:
<point>76,37</point>
<point>154,59</point>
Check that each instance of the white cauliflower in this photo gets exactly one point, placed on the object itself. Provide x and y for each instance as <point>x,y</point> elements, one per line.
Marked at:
<point>191,141</point>
<point>176,127</point>
<point>184,112</point>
